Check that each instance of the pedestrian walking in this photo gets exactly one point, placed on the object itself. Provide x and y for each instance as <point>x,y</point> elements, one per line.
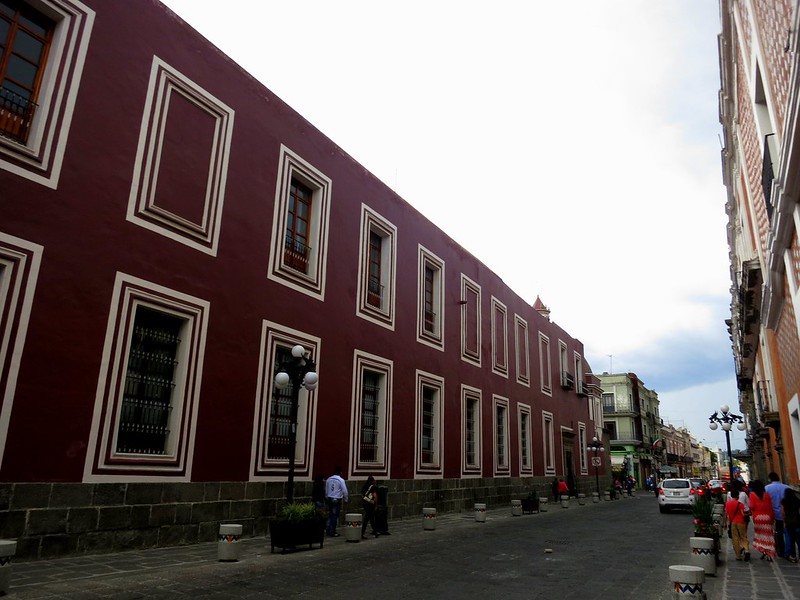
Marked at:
<point>369,500</point>
<point>735,511</point>
<point>335,495</point>
<point>790,507</point>
<point>554,489</point>
<point>776,489</point>
<point>563,488</point>
<point>763,516</point>
<point>318,492</point>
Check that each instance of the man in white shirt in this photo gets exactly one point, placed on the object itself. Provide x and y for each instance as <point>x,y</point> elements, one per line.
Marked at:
<point>335,495</point>
<point>776,489</point>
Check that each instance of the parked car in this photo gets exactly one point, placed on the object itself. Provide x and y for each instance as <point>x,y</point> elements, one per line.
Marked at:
<point>676,493</point>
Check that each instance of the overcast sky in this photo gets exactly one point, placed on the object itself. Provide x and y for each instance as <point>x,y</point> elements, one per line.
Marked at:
<point>593,124</point>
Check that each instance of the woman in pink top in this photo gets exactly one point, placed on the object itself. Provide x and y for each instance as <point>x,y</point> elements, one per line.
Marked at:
<point>763,520</point>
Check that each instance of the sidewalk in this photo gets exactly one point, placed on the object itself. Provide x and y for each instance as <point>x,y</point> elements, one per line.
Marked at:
<point>171,572</point>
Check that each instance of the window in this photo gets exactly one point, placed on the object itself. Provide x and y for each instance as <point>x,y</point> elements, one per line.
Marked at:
<point>471,430</point>
<point>144,421</point>
<point>376,277</point>
<point>522,350</point>
<point>300,226</point>
<point>43,46</point>
<point>371,415</point>
<point>499,338</point>
<point>501,458</point>
<point>525,442</point>
<point>567,379</point>
<point>580,384</point>
<point>148,390</point>
<point>608,403</point>
<point>548,441</point>
<point>544,364</point>
<point>173,193</point>
<point>582,447</point>
<point>430,316</point>
<point>296,250</point>
<point>430,389</point>
<point>269,460</point>
<point>25,36</point>
<point>470,321</point>
<point>19,271</point>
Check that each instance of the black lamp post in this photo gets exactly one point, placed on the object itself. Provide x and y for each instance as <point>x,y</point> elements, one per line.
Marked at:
<point>298,372</point>
<point>597,448</point>
<point>727,419</point>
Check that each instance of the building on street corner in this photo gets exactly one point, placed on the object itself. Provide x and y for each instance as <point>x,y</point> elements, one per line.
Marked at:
<point>170,231</point>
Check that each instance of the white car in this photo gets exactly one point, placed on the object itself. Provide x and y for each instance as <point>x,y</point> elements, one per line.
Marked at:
<point>676,493</point>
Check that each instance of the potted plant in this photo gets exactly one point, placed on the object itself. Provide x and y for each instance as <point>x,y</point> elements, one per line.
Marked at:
<point>530,503</point>
<point>296,524</point>
<point>703,512</point>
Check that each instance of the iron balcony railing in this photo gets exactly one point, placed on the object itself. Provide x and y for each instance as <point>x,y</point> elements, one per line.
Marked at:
<point>16,115</point>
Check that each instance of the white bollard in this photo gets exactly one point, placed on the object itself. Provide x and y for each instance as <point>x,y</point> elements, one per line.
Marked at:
<point>542,504</point>
<point>595,497</point>
<point>581,499</point>
<point>703,554</point>
<point>8,548</point>
<point>516,508</point>
<point>607,496</point>
<point>428,519</point>
<point>352,527</point>
<point>228,541</point>
<point>480,513</point>
<point>564,501</point>
<point>688,581</point>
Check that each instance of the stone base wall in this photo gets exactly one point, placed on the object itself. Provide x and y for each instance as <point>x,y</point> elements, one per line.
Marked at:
<point>60,519</point>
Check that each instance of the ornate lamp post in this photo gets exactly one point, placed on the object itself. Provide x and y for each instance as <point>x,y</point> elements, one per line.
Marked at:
<point>727,419</point>
<point>298,372</point>
<point>597,448</point>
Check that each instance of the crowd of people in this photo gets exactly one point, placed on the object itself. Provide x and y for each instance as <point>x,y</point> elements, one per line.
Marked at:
<point>774,510</point>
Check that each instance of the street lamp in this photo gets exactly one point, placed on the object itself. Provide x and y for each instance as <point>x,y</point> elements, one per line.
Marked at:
<point>727,419</point>
<point>299,371</point>
<point>597,448</point>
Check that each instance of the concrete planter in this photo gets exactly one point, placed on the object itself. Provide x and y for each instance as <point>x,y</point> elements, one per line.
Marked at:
<point>352,527</point>
<point>287,535</point>
<point>428,519</point>
<point>228,541</point>
<point>530,505</point>
<point>480,513</point>
<point>516,508</point>
<point>8,548</point>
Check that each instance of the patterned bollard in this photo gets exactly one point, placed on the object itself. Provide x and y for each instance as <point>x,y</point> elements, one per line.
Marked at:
<point>703,554</point>
<point>428,519</point>
<point>595,497</point>
<point>688,581</point>
<point>480,513</point>
<point>516,508</point>
<point>8,548</point>
<point>352,527</point>
<point>542,504</point>
<point>228,541</point>
<point>607,496</point>
<point>564,501</point>
<point>581,499</point>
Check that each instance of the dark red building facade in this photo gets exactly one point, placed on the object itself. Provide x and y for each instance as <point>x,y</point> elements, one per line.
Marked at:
<point>169,229</point>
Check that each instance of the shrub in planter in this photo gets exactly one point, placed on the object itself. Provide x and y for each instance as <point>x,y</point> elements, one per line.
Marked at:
<point>297,524</point>
<point>530,503</point>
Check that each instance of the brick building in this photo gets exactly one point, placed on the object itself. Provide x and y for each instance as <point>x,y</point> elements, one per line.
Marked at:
<point>169,230</point>
<point>759,106</point>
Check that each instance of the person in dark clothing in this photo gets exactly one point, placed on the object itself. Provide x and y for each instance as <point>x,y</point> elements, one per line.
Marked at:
<point>369,500</point>
<point>554,488</point>
<point>318,492</point>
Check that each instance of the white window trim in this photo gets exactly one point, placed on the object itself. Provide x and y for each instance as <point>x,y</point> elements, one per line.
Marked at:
<point>433,470</point>
<point>435,339</point>
<point>584,463</point>
<point>580,384</point>
<point>525,409</point>
<point>165,83</point>
<point>523,358</point>
<point>364,361</point>
<point>291,165</point>
<point>262,468</point>
<point>469,287</point>
<point>41,159</point>
<point>103,462</point>
<point>372,222</point>
<point>548,443</point>
<point>501,469</point>
<point>499,310</point>
<point>20,261</point>
<point>471,393</point>
<point>545,366</point>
